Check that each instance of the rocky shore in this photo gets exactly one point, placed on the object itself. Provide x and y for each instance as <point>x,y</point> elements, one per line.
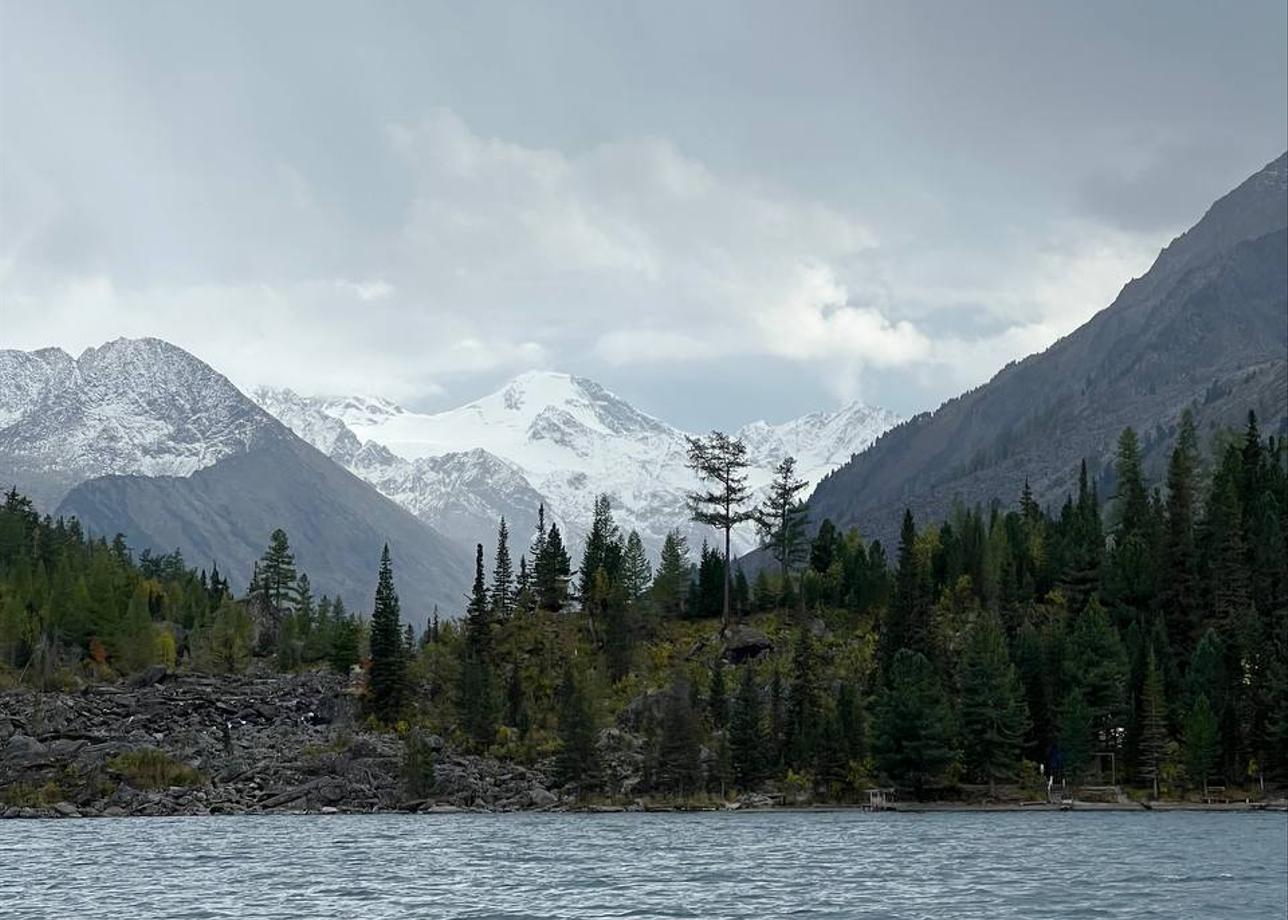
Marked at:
<point>167,744</point>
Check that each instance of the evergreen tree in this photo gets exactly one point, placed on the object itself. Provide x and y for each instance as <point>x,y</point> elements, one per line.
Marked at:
<point>801,729</point>
<point>577,760</point>
<point>722,461</point>
<point>387,682</point>
<point>277,572</point>
<point>1202,746</point>
<point>782,518</point>
<point>718,698</point>
<point>994,714</point>
<point>502,575</point>
<point>1076,728</point>
<point>477,696</point>
<point>906,625</point>
<point>671,586</point>
<point>1180,585</point>
<point>679,769</point>
<point>1153,723</point>
<point>1097,665</point>
<point>552,571</point>
<point>603,549</point>
<point>747,740</point>
<point>637,573</point>
<point>913,729</point>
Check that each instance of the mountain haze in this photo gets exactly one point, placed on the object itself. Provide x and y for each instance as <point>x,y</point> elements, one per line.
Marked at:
<point>1206,327</point>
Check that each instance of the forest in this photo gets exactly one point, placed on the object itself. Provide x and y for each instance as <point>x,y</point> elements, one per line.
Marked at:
<point>1137,639</point>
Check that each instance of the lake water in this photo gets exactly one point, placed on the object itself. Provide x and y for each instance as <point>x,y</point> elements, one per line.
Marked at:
<point>724,865</point>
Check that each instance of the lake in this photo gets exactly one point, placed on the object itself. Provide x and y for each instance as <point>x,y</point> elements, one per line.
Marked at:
<point>713,865</point>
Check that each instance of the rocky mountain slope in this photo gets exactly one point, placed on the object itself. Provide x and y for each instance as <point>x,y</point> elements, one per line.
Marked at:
<point>1205,327</point>
<point>552,438</point>
<point>140,437</point>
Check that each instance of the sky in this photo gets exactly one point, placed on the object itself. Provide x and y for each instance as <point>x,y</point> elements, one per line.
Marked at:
<point>722,211</point>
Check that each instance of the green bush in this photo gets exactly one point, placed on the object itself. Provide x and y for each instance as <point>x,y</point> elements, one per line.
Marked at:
<point>150,768</point>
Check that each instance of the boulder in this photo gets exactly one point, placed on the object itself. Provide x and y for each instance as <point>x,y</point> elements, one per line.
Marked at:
<point>745,644</point>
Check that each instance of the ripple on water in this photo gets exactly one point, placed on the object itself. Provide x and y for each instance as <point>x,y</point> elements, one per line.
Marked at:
<point>735,866</point>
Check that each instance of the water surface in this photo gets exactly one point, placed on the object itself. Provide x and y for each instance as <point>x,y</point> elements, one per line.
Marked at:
<point>723,865</point>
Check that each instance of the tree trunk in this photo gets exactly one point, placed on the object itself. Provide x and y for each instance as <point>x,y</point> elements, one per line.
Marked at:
<point>728,582</point>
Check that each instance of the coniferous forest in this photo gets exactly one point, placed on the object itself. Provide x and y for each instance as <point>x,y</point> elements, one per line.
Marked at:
<point>1137,638</point>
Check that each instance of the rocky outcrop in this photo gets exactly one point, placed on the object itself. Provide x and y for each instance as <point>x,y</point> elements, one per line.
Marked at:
<point>189,745</point>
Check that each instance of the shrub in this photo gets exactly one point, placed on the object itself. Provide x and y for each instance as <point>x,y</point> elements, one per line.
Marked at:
<point>150,768</point>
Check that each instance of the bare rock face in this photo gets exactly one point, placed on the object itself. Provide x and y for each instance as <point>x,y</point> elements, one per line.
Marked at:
<point>166,744</point>
<point>746,644</point>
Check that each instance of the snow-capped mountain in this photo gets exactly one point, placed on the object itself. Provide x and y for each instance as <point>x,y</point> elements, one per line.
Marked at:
<point>555,438</point>
<point>131,406</point>
<point>462,494</point>
<point>140,437</point>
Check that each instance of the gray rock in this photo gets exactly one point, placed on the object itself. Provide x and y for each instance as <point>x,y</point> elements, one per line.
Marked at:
<point>153,674</point>
<point>746,644</point>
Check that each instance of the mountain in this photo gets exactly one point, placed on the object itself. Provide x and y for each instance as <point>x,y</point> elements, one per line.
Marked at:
<point>462,494</point>
<point>1206,327</point>
<point>553,438</point>
<point>142,438</point>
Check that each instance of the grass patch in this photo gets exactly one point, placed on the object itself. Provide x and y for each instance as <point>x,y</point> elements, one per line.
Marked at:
<point>150,768</point>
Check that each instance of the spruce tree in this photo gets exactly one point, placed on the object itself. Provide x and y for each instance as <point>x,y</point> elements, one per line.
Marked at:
<point>552,571</point>
<point>1179,589</point>
<point>637,573</point>
<point>477,695</point>
<point>387,682</point>
<point>679,767</point>
<point>1076,729</point>
<point>747,740</point>
<point>718,698</point>
<point>994,714</point>
<point>1202,742</point>
<point>577,760</point>
<point>277,572</point>
<point>1153,722</point>
<point>502,575</point>
<point>671,585</point>
<point>801,728</point>
<point>913,728</point>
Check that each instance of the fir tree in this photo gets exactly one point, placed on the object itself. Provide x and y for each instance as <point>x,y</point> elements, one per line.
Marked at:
<point>552,571</point>
<point>718,698</point>
<point>679,769</point>
<point>1153,723</point>
<point>1180,586</point>
<point>994,714</point>
<point>747,740</point>
<point>577,760</point>
<point>477,697</point>
<point>502,575</point>
<point>277,572</point>
<point>913,729</point>
<point>387,682</point>
<point>1076,727</point>
<point>637,573</point>
<point>1202,744</point>
<point>671,585</point>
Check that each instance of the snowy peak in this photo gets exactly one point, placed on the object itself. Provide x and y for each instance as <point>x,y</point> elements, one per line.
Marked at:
<point>557,439</point>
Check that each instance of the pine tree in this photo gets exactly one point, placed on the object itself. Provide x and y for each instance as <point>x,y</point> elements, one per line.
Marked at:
<point>388,678</point>
<point>637,573</point>
<point>1153,722</point>
<point>552,571</point>
<point>747,740</point>
<point>671,585</point>
<point>603,549</point>
<point>906,624</point>
<point>679,769</point>
<point>1076,727</point>
<point>1097,665</point>
<point>577,760</point>
<point>782,518</point>
<point>502,575</point>
<point>477,696</point>
<point>721,461</point>
<point>718,698</point>
<point>803,702</point>
<point>913,729</point>
<point>1180,587</point>
<point>1202,744</point>
<point>277,572</point>
<point>994,714</point>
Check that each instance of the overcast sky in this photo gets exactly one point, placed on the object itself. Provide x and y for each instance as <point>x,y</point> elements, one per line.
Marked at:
<point>722,211</point>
